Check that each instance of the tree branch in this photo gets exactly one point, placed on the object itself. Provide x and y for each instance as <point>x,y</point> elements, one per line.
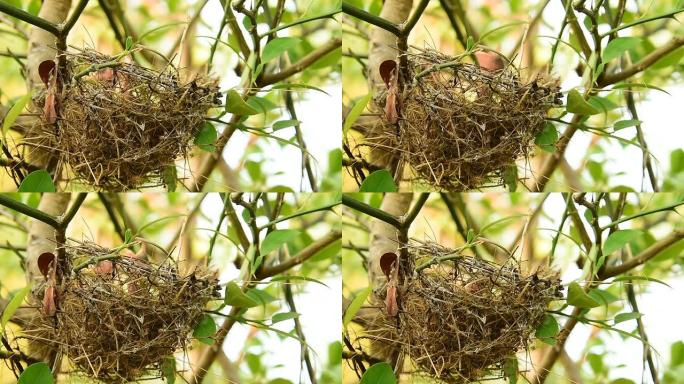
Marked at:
<point>370,211</point>
<point>300,257</point>
<point>645,255</point>
<point>370,18</point>
<point>300,65</point>
<point>29,211</point>
<point>29,18</point>
<point>642,64</point>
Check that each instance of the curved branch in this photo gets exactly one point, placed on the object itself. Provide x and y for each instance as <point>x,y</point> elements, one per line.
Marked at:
<point>645,255</point>
<point>371,211</point>
<point>29,18</point>
<point>300,65</point>
<point>642,64</point>
<point>29,211</point>
<point>301,256</point>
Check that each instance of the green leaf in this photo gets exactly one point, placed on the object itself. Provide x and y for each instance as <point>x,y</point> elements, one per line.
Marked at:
<point>301,278</point>
<point>546,139</point>
<point>378,181</point>
<point>577,104</point>
<point>128,235</point>
<point>13,305</point>
<point>578,298</point>
<point>280,381</point>
<point>205,329</point>
<point>237,106</point>
<point>129,43</point>
<point>602,296</point>
<point>622,124</point>
<point>548,330</point>
<point>510,177</point>
<point>278,125</point>
<point>236,298</point>
<point>510,369</point>
<point>37,181</point>
<point>630,278</point>
<point>277,238</point>
<point>206,137</point>
<point>618,46</point>
<point>355,306</point>
<point>37,373</point>
<point>278,46</point>
<point>355,112</point>
<point>260,296</point>
<point>622,380</point>
<point>13,113</point>
<point>168,369</point>
<point>470,236</point>
<point>619,239</point>
<point>379,373</point>
<point>282,316</point>
<point>620,317</point>
<point>170,177</point>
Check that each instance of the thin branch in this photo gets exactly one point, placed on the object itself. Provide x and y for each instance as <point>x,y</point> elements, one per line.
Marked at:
<point>73,209</point>
<point>306,158</point>
<point>644,63</point>
<point>300,213</point>
<point>66,28</point>
<point>305,355</point>
<point>303,255</point>
<point>29,211</point>
<point>326,15</point>
<point>29,18</point>
<point>642,21</point>
<point>646,158</point>
<point>554,352</point>
<point>112,215</point>
<point>300,65</point>
<point>648,355</point>
<point>645,255</point>
<point>669,207</point>
<point>415,210</point>
<point>371,211</point>
<point>371,18</point>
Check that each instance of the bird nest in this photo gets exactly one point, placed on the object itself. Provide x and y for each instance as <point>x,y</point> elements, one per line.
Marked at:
<point>117,322</point>
<point>119,125</point>
<point>461,319</point>
<point>460,126</point>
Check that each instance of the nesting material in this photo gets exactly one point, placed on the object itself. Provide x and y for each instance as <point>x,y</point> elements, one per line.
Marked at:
<point>459,125</point>
<point>461,319</point>
<point>117,326</point>
<point>120,125</point>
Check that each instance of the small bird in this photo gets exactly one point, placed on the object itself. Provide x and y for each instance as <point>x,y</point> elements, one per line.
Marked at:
<point>489,61</point>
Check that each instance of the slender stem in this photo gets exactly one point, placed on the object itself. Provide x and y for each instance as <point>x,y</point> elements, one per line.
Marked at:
<point>29,18</point>
<point>300,65</point>
<point>305,355</point>
<point>73,18</point>
<point>646,158</point>
<point>644,63</point>
<point>371,18</point>
<point>648,356</point>
<point>645,255</point>
<point>370,211</point>
<point>306,158</point>
<point>301,21</point>
<point>415,210</point>
<point>301,256</point>
<point>642,21</point>
<point>300,213</point>
<point>73,209</point>
<point>112,215</point>
<point>29,211</point>
<point>669,207</point>
<point>413,19</point>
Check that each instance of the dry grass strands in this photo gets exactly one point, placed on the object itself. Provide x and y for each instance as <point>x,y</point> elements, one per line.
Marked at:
<point>461,319</point>
<point>118,325</point>
<point>459,125</point>
<point>121,124</point>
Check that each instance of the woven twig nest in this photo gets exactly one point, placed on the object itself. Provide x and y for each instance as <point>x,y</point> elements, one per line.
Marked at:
<point>120,325</point>
<point>459,125</point>
<point>120,126</point>
<point>460,320</point>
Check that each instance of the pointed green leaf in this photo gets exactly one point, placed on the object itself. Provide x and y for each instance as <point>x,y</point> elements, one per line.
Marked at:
<point>277,47</point>
<point>278,125</point>
<point>355,112</point>
<point>277,238</point>
<point>37,181</point>
<point>13,305</point>
<point>620,317</point>
<point>618,46</point>
<point>236,298</point>
<point>282,316</point>
<point>237,106</point>
<point>618,239</point>
<point>13,113</point>
<point>205,329</point>
<point>379,181</point>
<point>355,306</point>
<point>577,104</point>
<point>578,298</point>
<point>37,373</point>
<point>206,137</point>
<point>547,330</point>
<point>622,124</point>
<point>546,139</point>
<point>168,369</point>
<point>379,373</point>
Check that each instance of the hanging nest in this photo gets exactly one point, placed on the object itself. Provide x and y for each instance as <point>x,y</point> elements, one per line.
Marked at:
<point>121,125</point>
<point>460,320</point>
<point>460,126</point>
<point>118,324</point>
